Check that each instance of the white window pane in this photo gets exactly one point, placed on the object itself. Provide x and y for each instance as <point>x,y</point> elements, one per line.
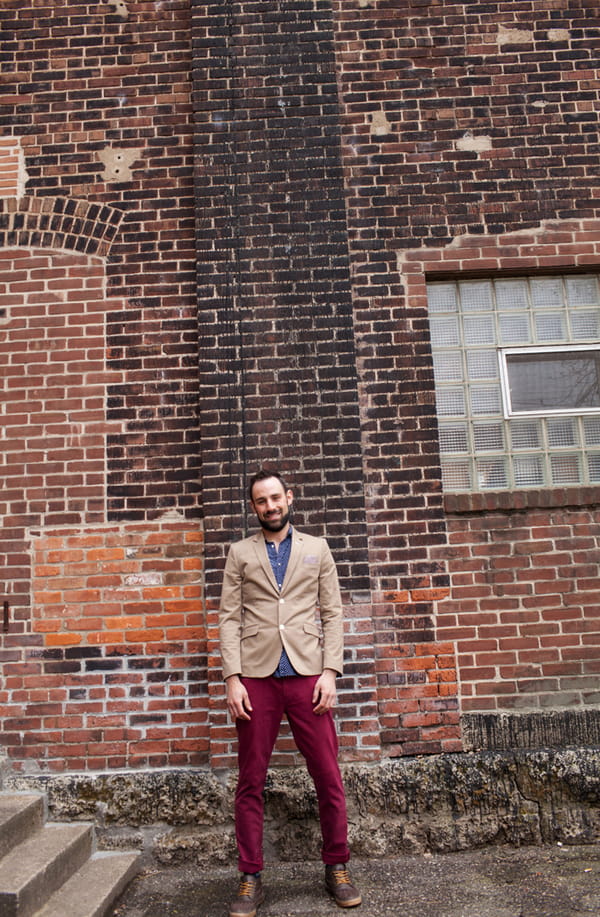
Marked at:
<point>528,470</point>
<point>441,297</point>
<point>564,469</point>
<point>476,296</point>
<point>582,290</point>
<point>444,332</point>
<point>525,434</point>
<point>485,399</point>
<point>591,430</point>
<point>511,294</point>
<point>547,293</point>
<point>456,475</point>
<point>488,437</point>
<point>562,432</point>
<point>514,329</point>
<point>447,366</point>
<point>479,330</point>
<point>451,402</point>
<point>585,325</point>
<point>550,326</point>
<point>482,364</point>
<point>491,473</point>
<point>554,380</point>
<point>594,467</point>
<point>453,438</point>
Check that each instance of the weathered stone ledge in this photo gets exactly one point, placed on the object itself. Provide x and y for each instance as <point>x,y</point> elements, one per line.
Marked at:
<point>552,729</point>
<point>407,805</point>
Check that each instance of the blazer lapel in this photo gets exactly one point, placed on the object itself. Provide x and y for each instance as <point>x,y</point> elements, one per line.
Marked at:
<point>263,559</point>
<point>295,555</point>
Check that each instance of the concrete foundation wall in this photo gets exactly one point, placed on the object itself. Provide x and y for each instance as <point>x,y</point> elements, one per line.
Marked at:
<point>438,803</point>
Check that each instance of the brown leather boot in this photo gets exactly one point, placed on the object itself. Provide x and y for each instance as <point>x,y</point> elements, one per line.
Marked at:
<point>250,895</point>
<point>337,881</point>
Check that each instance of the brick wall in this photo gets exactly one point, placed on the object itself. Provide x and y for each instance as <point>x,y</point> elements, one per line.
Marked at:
<point>524,613</point>
<point>278,376</point>
<point>100,101</point>
<point>523,566</point>
<point>52,348</point>
<point>181,303</point>
<point>104,656</point>
<point>114,675</point>
<point>469,136</point>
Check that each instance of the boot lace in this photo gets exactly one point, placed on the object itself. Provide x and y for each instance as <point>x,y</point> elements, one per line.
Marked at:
<point>341,876</point>
<point>246,888</point>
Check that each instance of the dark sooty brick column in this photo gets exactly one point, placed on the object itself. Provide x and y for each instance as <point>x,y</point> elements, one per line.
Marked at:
<point>277,357</point>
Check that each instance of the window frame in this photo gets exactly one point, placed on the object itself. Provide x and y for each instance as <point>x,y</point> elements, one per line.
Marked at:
<point>503,352</point>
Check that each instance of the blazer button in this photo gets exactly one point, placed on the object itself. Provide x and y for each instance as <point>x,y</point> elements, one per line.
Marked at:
<point>282,627</point>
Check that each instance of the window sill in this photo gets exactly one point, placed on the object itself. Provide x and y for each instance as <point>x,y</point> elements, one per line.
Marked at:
<point>518,500</point>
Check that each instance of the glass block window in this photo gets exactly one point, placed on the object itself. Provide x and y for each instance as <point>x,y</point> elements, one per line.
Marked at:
<point>517,378</point>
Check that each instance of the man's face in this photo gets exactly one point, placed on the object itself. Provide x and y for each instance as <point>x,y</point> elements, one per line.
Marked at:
<point>271,503</point>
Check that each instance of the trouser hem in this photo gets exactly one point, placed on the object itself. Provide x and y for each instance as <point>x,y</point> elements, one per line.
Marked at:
<point>250,867</point>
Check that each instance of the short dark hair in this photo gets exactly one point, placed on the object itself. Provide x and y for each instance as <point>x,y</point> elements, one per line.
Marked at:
<point>262,475</point>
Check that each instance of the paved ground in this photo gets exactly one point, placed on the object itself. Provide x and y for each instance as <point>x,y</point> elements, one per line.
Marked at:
<point>493,882</point>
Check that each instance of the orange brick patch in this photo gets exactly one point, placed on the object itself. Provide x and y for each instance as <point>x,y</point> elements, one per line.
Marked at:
<point>418,700</point>
<point>122,630</point>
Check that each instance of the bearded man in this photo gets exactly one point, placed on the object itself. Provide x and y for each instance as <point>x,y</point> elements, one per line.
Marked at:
<point>281,635</point>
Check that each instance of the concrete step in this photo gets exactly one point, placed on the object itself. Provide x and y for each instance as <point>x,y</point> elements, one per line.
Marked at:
<point>48,869</point>
<point>32,871</point>
<point>20,815</point>
<point>92,890</point>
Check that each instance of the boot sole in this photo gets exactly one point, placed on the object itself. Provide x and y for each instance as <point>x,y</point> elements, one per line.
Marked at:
<point>352,902</point>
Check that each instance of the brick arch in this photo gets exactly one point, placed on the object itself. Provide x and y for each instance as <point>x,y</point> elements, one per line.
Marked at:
<point>58,223</point>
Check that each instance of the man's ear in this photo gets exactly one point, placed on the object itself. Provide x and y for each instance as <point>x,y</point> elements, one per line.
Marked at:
<point>289,497</point>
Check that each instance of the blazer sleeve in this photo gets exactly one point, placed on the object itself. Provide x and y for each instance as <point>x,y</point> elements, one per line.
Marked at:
<point>330,609</point>
<point>230,616</point>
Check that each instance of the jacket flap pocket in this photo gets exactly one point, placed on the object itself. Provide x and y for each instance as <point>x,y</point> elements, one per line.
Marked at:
<point>250,631</point>
<point>313,629</point>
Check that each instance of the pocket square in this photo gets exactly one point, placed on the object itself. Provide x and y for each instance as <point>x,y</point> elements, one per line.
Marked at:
<point>310,559</point>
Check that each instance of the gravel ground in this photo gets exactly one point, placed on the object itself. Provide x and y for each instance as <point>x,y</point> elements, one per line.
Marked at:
<point>492,882</point>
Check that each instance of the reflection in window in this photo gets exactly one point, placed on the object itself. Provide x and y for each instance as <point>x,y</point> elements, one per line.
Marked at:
<point>554,380</point>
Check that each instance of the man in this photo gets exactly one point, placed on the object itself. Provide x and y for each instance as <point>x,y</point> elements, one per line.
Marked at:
<point>275,662</point>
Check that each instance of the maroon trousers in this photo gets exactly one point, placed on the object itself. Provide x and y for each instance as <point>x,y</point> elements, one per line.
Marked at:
<point>316,739</point>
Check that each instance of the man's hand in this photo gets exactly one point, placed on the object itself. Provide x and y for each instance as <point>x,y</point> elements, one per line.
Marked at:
<point>238,702</point>
<point>324,692</point>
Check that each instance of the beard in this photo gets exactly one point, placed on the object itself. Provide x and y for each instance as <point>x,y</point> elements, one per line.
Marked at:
<point>276,524</point>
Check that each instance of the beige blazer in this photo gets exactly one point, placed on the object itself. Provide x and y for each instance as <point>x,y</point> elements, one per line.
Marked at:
<point>256,620</point>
